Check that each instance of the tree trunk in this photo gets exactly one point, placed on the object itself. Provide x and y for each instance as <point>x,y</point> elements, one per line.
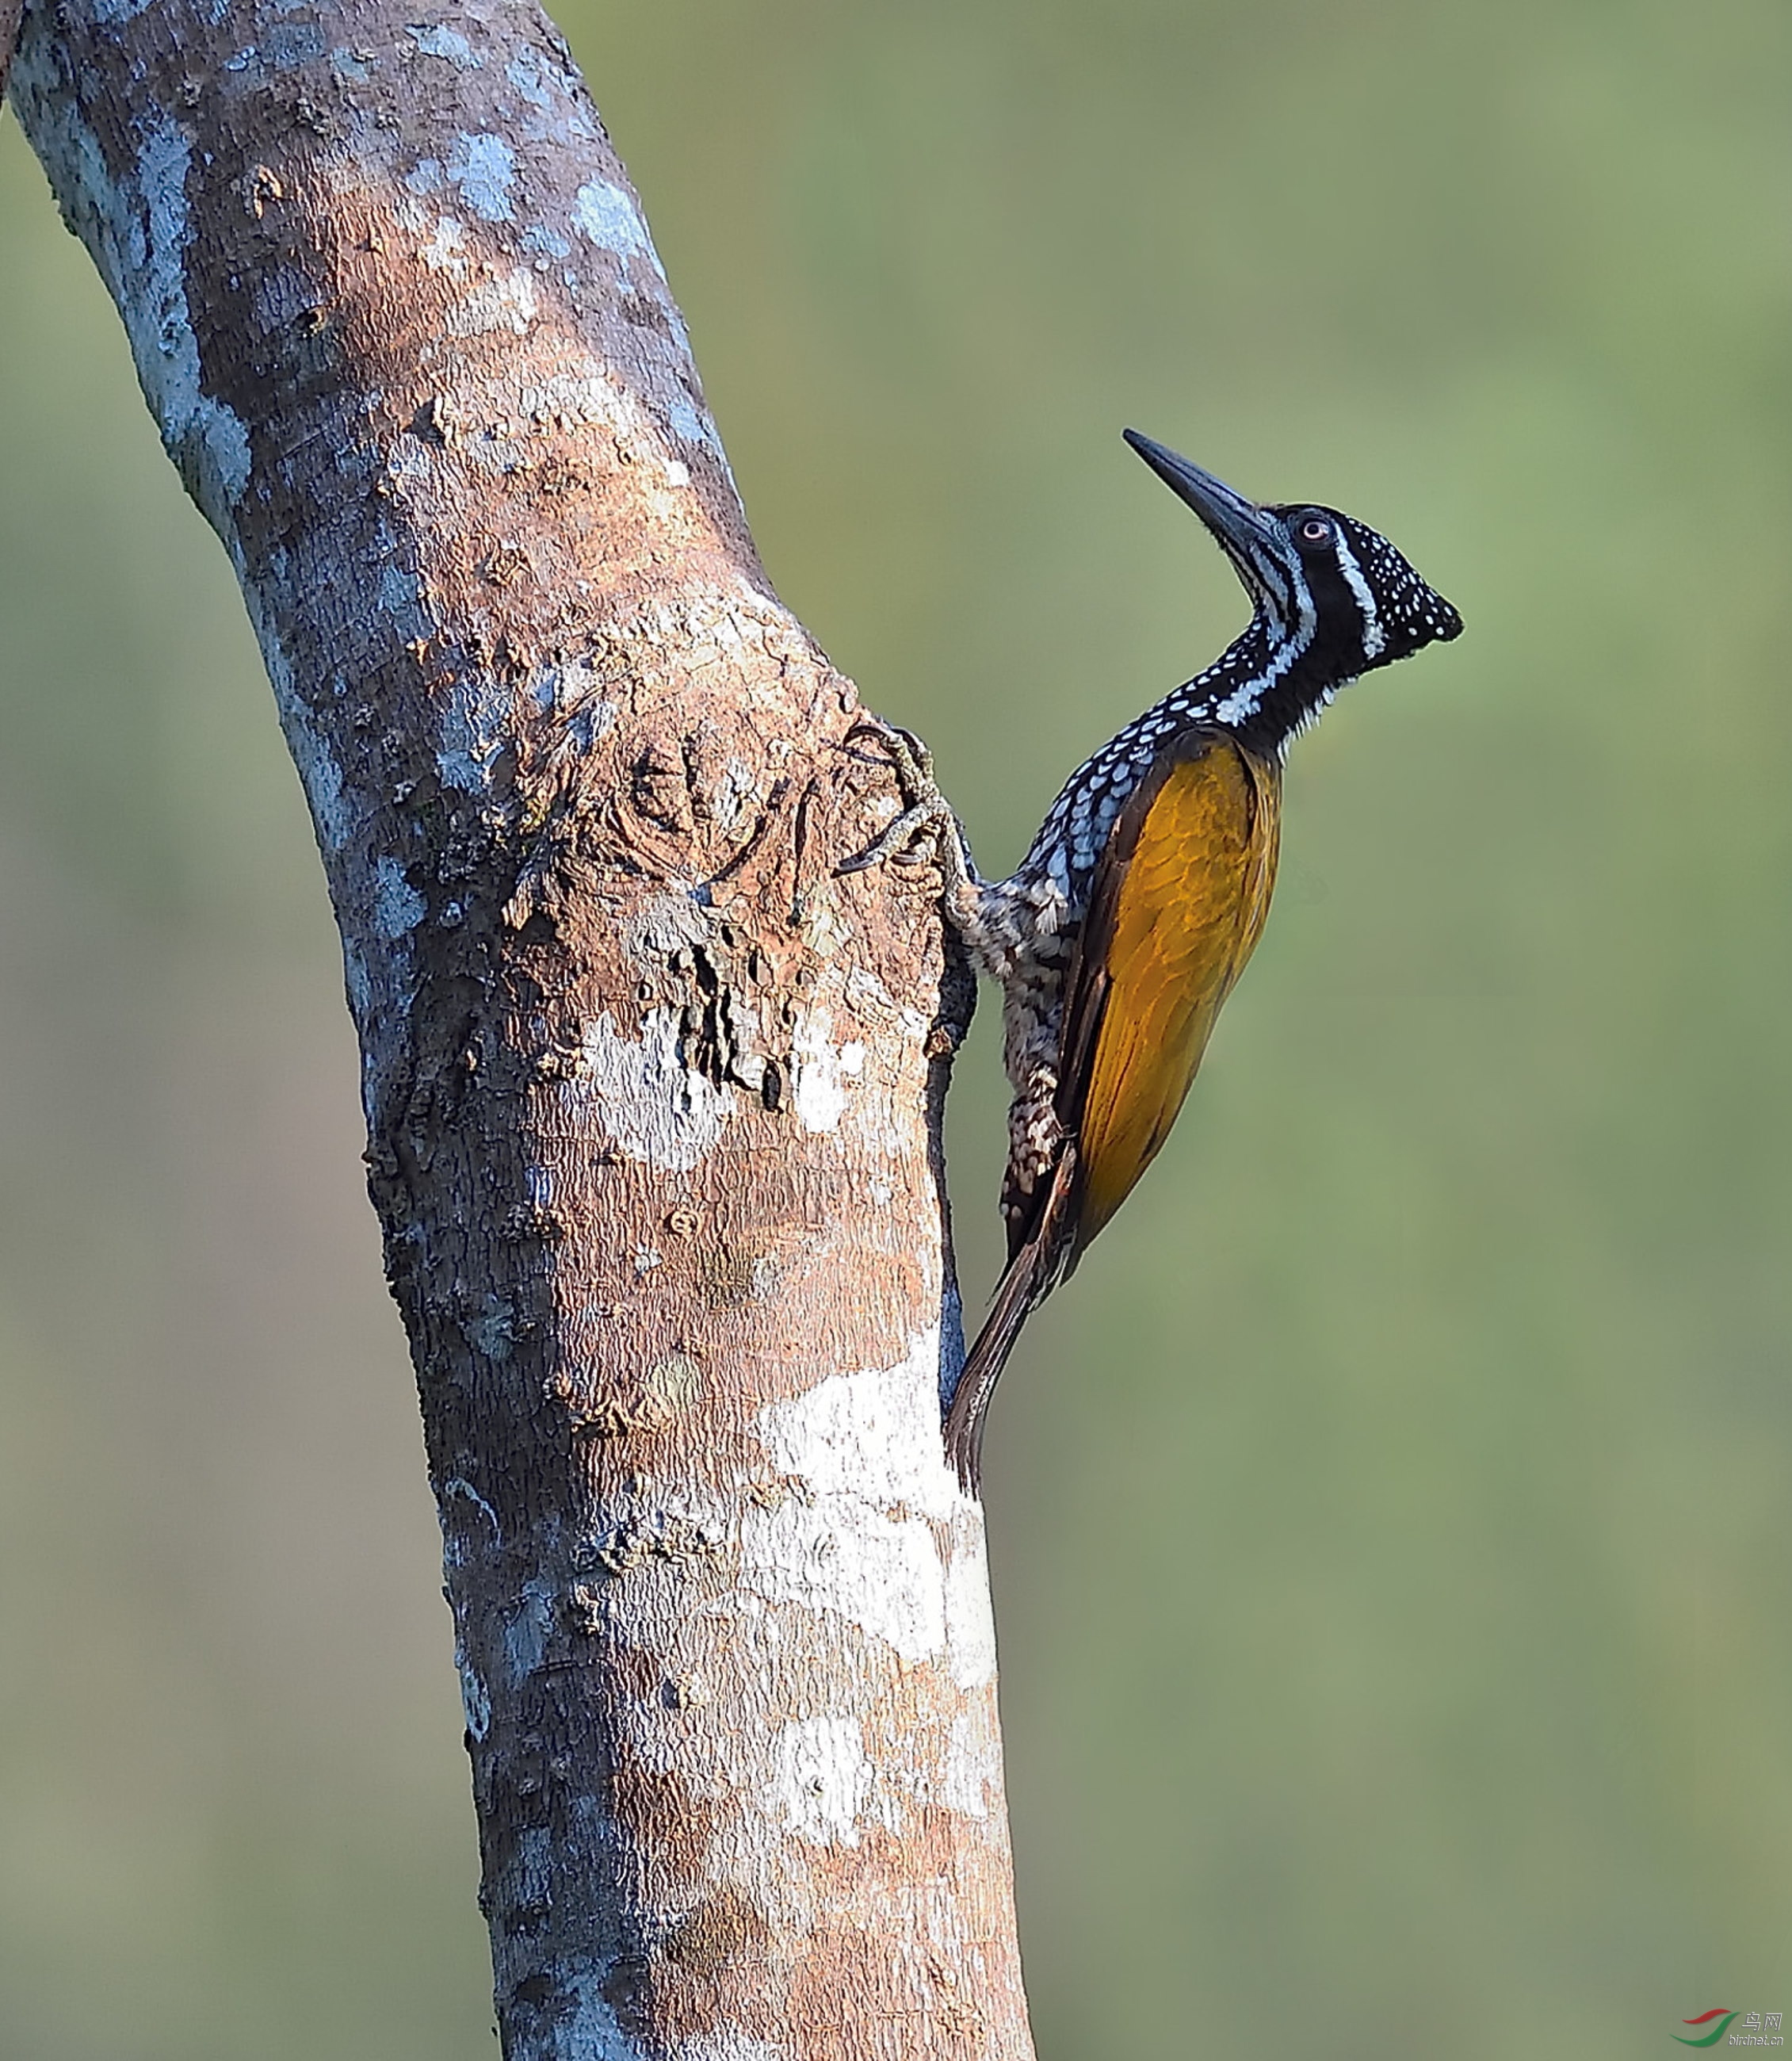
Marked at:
<point>9,12</point>
<point>652,1096</point>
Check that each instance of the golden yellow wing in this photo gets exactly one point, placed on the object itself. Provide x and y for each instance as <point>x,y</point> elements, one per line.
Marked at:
<point>1179,905</point>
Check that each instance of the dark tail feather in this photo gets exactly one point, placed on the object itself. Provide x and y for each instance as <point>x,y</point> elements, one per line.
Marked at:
<point>1030,1278</point>
<point>1014,1301</point>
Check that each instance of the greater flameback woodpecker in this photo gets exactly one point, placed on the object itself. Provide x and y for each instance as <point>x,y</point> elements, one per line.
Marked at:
<point>1121,932</point>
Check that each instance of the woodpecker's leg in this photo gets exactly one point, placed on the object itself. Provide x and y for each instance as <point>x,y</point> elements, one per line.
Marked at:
<point>926,815</point>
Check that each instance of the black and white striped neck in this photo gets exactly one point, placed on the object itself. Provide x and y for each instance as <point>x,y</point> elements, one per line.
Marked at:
<point>1265,688</point>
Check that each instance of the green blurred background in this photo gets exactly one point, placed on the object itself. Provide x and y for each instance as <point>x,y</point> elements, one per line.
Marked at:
<point>1390,1526</point>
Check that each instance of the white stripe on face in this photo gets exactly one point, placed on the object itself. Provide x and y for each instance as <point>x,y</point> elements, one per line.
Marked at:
<point>1248,696</point>
<point>1374,637</point>
<point>1263,576</point>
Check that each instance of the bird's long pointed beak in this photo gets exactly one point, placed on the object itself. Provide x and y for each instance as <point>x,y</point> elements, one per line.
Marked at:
<point>1237,523</point>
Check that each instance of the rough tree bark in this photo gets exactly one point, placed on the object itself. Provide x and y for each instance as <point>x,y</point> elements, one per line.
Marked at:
<point>652,1097</point>
<point>9,12</point>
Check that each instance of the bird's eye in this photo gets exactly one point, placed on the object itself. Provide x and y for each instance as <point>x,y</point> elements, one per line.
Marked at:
<point>1315,530</point>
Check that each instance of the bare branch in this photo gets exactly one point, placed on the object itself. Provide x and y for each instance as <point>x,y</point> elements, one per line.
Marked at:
<point>652,1096</point>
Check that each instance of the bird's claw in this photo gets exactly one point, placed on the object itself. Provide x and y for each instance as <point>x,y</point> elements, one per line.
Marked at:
<point>892,842</point>
<point>913,761</point>
<point>928,810</point>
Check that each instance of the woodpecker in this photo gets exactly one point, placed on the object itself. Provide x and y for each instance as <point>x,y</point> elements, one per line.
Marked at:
<point>1122,931</point>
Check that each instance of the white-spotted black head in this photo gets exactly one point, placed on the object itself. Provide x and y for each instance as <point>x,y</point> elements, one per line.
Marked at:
<point>1372,606</point>
<point>1331,597</point>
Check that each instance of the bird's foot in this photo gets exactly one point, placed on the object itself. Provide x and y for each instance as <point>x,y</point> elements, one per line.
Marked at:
<point>926,814</point>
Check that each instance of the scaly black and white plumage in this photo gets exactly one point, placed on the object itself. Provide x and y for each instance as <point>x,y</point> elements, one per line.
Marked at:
<point>1121,933</point>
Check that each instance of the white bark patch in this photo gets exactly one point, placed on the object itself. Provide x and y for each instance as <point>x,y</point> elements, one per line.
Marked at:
<point>318,769</point>
<point>874,1436</point>
<point>739,786</point>
<point>593,2032</point>
<point>658,1110</point>
<point>525,1636</point>
<point>882,1117</point>
<point>446,251</point>
<point>970,1617</point>
<point>472,735</point>
<point>668,923</point>
<point>865,1543</point>
<point>531,1865</point>
<point>606,215</point>
<point>397,906</point>
<point>213,438</point>
<point>973,1777</point>
<point>878,1572</point>
<point>544,244</point>
<point>725,2046</point>
<point>822,1780</point>
<point>823,930</point>
<point>484,167</point>
<point>475,1699</point>
<point>572,398</point>
<point>590,394</point>
<point>449,44</point>
<point>492,1333</point>
<point>574,693</point>
<point>525,73</point>
<point>507,303</point>
<point>454,1550</point>
<point>357,982</point>
<point>696,426</point>
<point>140,229</point>
<point>819,1070</point>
